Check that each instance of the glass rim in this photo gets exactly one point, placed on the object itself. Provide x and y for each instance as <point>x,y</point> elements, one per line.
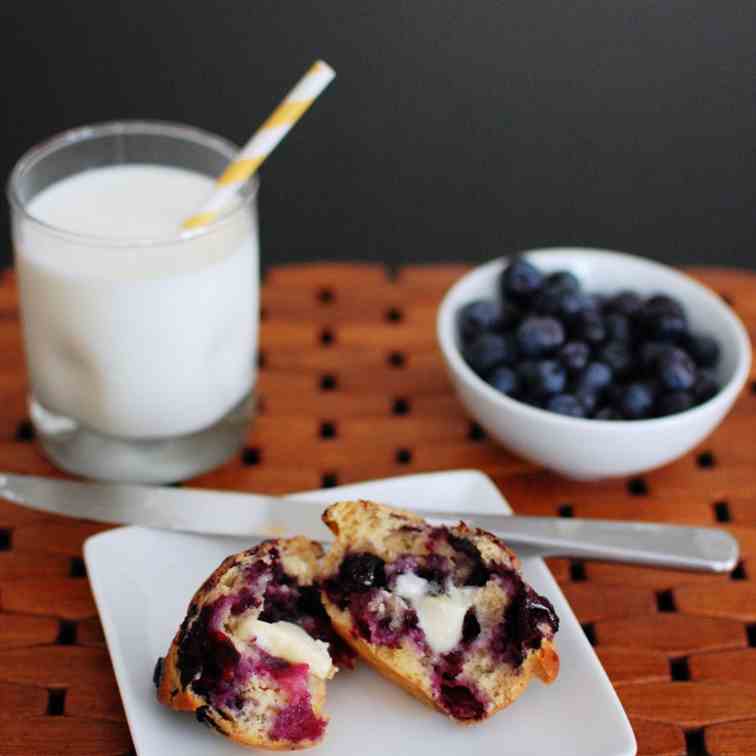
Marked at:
<point>128,126</point>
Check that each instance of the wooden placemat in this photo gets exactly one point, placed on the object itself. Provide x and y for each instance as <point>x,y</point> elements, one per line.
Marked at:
<point>352,387</point>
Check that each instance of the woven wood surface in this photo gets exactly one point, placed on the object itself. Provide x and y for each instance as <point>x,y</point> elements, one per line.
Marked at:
<point>351,387</point>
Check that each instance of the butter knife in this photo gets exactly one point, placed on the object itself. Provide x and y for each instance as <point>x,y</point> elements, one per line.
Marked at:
<point>226,513</point>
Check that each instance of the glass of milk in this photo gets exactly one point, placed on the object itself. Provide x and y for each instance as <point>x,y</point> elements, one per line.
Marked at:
<point>140,338</point>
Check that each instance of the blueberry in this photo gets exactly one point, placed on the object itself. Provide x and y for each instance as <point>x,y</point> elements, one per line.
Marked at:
<point>612,394</point>
<point>548,301</point>
<point>702,348</point>
<point>472,562</point>
<point>649,352</point>
<point>541,379</point>
<point>625,303</point>
<point>521,280</point>
<point>663,318</point>
<point>489,350</point>
<point>705,387</point>
<point>361,572</point>
<point>470,626</point>
<point>589,326</point>
<point>531,401</point>
<point>565,404</point>
<point>504,379</point>
<point>479,316</point>
<point>671,404</point>
<point>461,702</point>
<point>554,287</point>
<point>618,327</point>
<point>670,327</point>
<point>588,399</point>
<point>608,413</point>
<point>563,279</point>
<point>595,377</point>
<point>573,303</point>
<point>618,356</point>
<point>539,337</point>
<point>663,303</point>
<point>597,301</point>
<point>636,401</point>
<point>574,355</point>
<point>675,370</point>
<point>157,672</point>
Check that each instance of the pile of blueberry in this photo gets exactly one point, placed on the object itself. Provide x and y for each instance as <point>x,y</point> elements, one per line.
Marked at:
<point>546,342</point>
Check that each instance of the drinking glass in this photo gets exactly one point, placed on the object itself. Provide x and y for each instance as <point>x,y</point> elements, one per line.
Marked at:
<point>141,352</point>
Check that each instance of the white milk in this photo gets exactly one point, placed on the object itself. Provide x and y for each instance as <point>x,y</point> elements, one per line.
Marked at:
<point>137,340</point>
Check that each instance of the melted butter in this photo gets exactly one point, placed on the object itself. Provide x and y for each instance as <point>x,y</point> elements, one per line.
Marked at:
<point>440,617</point>
<point>288,641</point>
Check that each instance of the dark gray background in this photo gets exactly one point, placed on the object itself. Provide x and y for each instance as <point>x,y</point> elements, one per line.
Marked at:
<point>455,130</point>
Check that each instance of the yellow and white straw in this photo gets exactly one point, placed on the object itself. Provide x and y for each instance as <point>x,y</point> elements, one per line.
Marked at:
<point>263,142</point>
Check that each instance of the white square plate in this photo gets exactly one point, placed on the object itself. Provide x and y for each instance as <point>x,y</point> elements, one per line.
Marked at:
<point>143,579</point>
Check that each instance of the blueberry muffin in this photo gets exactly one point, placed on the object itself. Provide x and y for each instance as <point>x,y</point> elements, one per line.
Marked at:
<point>442,611</point>
<point>253,654</point>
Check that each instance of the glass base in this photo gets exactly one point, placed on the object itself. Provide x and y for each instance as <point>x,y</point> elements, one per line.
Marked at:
<point>82,451</point>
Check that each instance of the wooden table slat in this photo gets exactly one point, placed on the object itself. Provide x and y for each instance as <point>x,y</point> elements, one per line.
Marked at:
<point>674,634</point>
<point>624,665</point>
<point>67,736</point>
<point>735,600</point>
<point>592,602</point>
<point>731,738</point>
<point>736,666</point>
<point>658,738</point>
<point>22,631</point>
<point>58,666</point>
<point>21,701</point>
<point>689,704</point>
<point>67,598</point>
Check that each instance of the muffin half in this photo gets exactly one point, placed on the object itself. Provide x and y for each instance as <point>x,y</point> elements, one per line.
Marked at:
<point>442,611</point>
<point>253,654</point>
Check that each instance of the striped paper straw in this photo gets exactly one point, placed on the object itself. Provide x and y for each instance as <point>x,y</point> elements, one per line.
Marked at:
<point>263,142</point>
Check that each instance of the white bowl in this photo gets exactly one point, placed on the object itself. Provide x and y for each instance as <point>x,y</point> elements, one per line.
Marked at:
<point>592,449</point>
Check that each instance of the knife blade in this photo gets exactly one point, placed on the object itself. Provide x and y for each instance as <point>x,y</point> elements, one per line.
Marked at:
<point>227,513</point>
